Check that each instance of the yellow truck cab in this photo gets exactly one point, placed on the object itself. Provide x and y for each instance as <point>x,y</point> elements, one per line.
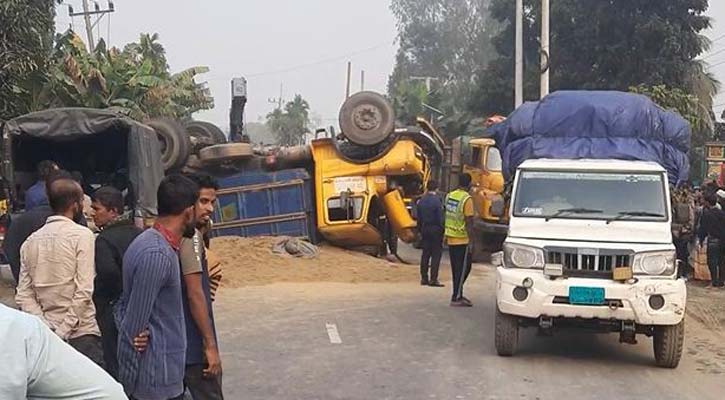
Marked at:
<point>360,205</point>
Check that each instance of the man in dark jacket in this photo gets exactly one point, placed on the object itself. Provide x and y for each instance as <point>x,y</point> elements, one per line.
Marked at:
<point>712,227</point>
<point>430,225</point>
<point>117,233</point>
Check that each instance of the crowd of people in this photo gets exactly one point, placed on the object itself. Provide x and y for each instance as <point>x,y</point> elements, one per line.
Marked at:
<point>699,226</point>
<point>137,303</point>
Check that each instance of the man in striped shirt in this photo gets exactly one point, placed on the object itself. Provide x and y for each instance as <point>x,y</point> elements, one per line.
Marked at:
<point>151,302</point>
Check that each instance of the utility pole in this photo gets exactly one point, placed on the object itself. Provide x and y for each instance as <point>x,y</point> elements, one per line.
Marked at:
<point>89,29</point>
<point>349,76</point>
<point>86,13</point>
<point>545,53</point>
<point>280,99</point>
<point>519,73</point>
<point>362,80</point>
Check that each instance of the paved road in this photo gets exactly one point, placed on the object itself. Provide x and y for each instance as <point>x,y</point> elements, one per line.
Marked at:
<point>403,341</point>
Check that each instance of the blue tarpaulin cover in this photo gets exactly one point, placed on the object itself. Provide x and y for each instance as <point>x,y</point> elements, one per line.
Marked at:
<point>596,125</point>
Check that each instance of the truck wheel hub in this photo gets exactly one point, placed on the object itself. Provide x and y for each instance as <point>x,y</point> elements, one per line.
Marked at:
<point>367,117</point>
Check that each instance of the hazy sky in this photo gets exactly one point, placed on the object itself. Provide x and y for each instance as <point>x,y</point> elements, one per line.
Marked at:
<point>258,39</point>
<point>717,53</point>
<point>303,45</point>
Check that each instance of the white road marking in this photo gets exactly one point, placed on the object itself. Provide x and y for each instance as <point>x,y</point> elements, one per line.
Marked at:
<point>333,334</point>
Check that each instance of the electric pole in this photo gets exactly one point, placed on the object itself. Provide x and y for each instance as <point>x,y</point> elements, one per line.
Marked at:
<point>280,99</point>
<point>86,13</point>
<point>545,63</point>
<point>519,73</point>
<point>349,76</point>
<point>89,29</point>
<point>362,80</point>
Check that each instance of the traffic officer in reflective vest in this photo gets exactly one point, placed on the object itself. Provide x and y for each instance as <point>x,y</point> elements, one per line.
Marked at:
<point>459,225</point>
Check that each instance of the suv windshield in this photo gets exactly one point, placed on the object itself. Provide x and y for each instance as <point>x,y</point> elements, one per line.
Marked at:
<point>591,195</point>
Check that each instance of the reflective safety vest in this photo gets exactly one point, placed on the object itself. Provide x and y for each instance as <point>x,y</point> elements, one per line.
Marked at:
<point>455,220</point>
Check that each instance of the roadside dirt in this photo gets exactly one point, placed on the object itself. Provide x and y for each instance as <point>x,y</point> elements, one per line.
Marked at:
<point>251,262</point>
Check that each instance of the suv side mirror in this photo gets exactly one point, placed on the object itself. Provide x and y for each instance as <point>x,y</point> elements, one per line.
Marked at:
<point>498,207</point>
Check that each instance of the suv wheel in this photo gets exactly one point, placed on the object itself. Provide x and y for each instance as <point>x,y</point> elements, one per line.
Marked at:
<point>668,342</point>
<point>507,334</point>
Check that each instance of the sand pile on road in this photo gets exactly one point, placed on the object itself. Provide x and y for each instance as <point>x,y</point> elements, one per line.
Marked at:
<point>251,262</point>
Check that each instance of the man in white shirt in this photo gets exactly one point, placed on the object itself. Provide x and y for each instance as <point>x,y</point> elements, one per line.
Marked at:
<point>38,365</point>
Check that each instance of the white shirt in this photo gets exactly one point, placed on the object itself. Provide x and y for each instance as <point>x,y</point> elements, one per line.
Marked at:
<point>38,365</point>
<point>57,268</point>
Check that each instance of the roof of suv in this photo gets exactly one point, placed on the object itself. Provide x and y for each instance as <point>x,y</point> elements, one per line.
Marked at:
<point>591,165</point>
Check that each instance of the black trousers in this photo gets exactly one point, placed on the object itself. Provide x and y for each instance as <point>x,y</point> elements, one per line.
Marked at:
<point>89,346</point>
<point>460,268</point>
<point>200,387</point>
<point>431,258</point>
<point>109,336</point>
<point>683,254</point>
<point>716,261</point>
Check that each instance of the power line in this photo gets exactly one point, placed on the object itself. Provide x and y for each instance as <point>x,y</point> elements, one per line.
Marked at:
<point>713,54</point>
<point>320,62</point>
<point>715,65</point>
<point>721,37</point>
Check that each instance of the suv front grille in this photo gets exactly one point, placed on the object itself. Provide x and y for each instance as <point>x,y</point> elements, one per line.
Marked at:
<point>588,262</point>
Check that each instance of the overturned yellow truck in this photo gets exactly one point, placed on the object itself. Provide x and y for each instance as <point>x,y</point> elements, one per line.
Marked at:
<point>366,177</point>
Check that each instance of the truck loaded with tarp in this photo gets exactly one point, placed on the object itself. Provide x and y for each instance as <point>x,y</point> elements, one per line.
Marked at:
<point>595,125</point>
<point>589,244</point>
<point>105,147</point>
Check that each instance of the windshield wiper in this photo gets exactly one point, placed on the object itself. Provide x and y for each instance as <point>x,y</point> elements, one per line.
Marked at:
<point>572,211</point>
<point>631,214</point>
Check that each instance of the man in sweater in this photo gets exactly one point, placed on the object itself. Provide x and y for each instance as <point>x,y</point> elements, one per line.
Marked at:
<point>152,301</point>
<point>117,233</point>
<point>57,271</point>
<point>430,224</point>
<point>203,365</point>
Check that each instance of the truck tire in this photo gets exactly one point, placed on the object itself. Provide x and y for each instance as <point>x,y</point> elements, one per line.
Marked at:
<point>507,334</point>
<point>367,118</point>
<point>668,342</point>
<point>207,130</point>
<point>175,143</point>
<point>226,152</point>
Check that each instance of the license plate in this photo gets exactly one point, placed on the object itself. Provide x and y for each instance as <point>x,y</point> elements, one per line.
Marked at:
<point>586,295</point>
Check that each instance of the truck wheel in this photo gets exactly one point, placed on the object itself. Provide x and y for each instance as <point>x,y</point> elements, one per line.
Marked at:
<point>668,342</point>
<point>507,334</point>
<point>207,130</point>
<point>367,118</point>
<point>175,143</point>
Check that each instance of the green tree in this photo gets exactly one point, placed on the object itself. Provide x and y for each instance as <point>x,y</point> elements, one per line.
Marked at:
<point>691,109</point>
<point>136,80</point>
<point>448,40</point>
<point>26,40</point>
<point>291,124</point>
<point>601,45</point>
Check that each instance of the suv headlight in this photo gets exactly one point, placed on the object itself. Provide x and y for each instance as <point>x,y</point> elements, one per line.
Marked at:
<point>654,263</point>
<point>520,256</point>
